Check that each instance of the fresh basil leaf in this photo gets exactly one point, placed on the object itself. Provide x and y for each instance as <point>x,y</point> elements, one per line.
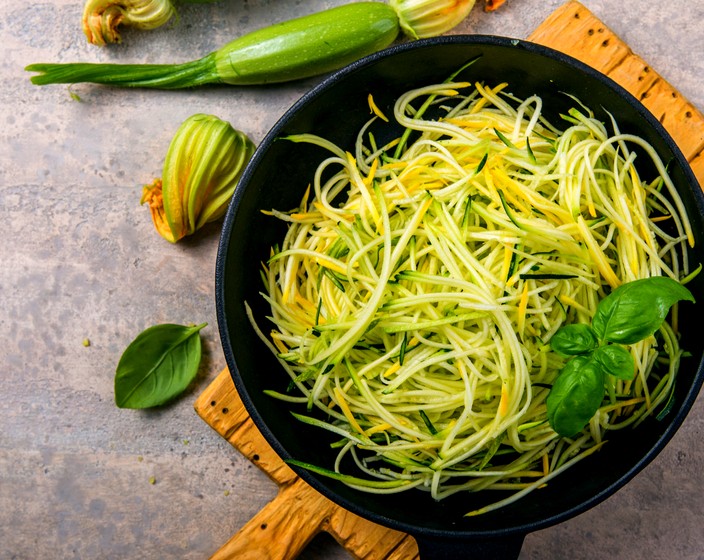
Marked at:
<point>158,365</point>
<point>575,396</point>
<point>572,340</point>
<point>635,310</point>
<point>616,360</point>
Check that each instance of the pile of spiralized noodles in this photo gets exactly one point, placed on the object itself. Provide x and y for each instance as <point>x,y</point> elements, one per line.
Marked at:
<point>419,283</point>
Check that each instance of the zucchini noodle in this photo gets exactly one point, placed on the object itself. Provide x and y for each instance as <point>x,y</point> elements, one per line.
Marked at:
<point>417,288</point>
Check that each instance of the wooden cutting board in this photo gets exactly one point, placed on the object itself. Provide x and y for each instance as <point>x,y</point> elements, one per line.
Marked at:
<point>286,525</point>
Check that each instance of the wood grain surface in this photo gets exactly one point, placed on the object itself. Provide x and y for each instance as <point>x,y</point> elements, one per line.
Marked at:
<point>288,523</point>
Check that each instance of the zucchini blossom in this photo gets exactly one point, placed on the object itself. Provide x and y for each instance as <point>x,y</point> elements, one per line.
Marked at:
<point>201,170</point>
<point>493,5</point>
<point>429,18</point>
<point>101,18</point>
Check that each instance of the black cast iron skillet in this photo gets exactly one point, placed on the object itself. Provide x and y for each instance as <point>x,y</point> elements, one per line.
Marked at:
<point>277,177</point>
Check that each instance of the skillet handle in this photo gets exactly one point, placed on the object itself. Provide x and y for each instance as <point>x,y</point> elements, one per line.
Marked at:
<point>506,547</point>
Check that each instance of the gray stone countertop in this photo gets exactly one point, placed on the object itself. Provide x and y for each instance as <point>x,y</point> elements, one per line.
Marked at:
<point>81,260</point>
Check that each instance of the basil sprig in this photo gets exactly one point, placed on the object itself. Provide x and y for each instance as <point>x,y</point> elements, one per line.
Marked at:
<point>632,312</point>
<point>158,365</point>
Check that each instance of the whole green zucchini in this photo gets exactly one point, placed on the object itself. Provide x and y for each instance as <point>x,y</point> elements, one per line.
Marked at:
<point>299,48</point>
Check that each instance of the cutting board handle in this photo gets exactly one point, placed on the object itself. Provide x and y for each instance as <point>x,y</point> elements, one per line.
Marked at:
<point>283,528</point>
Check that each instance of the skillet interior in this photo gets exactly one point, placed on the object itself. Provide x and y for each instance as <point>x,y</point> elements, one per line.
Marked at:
<point>277,177</point>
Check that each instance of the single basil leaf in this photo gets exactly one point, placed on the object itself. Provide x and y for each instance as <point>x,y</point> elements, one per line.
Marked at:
<point>635,310</point>
<point>158,365</point>
<point>572,340</point>
<point>575,396</point>
<point>616,360</point>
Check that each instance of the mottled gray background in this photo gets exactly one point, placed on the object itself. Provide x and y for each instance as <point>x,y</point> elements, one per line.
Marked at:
<point>80,259</point>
